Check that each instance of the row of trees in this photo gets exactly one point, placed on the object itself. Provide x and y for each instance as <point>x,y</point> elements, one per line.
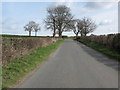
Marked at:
<point>60,19</point>
<point>82,26</point>
<point>32,26</point>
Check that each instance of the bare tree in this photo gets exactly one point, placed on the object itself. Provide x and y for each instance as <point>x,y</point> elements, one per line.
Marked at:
<point>80,26</point>
<point>51,20</point>
<point>29,27</point>
<point>64,18</point>
<point>88,26</point>
<point>58,19</point>
<point>32,26</point>
<point>76,29</point>
<point>76,26</point>
<point>36,28</point>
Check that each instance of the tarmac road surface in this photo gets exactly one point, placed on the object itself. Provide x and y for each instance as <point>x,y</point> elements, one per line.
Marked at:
<point>74,65</point>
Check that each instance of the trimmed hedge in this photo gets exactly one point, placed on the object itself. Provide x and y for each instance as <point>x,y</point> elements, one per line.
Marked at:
<point>13,48</point>
<point>111,41</point>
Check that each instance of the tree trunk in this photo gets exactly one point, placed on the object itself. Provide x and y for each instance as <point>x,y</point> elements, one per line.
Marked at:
<point>54,28</point>
<point>35,33</point>
<point>29,33</point>
<point>76,35</point>
<point>85,33</point>
<point>81,33</point>
<point>53,34</point>
<point>60,33</point>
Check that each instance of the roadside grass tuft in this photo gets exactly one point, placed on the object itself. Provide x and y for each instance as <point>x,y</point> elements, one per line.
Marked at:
<point>16,69</point>
<point>102,49</point>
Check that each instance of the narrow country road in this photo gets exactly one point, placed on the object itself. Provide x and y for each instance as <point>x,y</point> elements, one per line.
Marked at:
<point>74,65</point>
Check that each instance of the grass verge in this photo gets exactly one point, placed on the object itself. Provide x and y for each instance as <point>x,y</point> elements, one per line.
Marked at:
<point>102,49</point>
<point>16,69</point>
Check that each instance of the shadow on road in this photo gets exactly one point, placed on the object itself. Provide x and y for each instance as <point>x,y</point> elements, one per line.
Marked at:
<point>100,57</point>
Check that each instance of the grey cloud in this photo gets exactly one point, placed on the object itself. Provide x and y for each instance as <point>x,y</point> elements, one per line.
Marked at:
<point>98,5</point>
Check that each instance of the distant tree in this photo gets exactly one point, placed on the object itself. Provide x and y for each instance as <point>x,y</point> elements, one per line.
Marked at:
<point>58,19</point>
<point>80,26</point>
<point>32,26</point>
<point>29,27</point>
<point>36,28</point>
<point>87,26</point>
<point>76,26</point>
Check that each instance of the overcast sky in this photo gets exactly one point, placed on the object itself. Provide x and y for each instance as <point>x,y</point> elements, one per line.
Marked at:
<point>15,15</point>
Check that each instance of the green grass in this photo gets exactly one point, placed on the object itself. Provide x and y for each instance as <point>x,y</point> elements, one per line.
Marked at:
<point>16,69</point>
<point>102,49</point>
